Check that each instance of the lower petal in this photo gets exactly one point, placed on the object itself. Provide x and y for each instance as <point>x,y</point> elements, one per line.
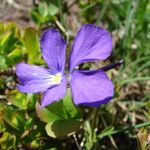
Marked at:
<point>26,72</point>
<point>91,88</point>
<point>54,94</point>
<point>35,86</point>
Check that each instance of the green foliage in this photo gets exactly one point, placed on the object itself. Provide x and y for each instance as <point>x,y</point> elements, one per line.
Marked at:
<point>62,128</point>
<point>31,43</point>
<point>7,141</point>
<point>63,118</point>
<point>8,41</point>
<point>45,13</point>
<point>90,136</point>
<point>21,100</point>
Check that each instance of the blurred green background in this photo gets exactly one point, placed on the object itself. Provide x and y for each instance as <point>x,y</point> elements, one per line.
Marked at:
<point>121,124</point>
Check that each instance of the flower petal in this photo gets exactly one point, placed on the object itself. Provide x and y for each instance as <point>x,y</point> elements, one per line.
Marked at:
<point>26,72</point>
<point>35,79</point>
<point>91,88</point>
<point>54,94</point>
<point>36,86</point>
<point>91,43</point>
<point>53,49</point>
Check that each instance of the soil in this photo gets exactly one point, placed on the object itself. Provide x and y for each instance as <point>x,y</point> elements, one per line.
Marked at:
<point>17,11</point>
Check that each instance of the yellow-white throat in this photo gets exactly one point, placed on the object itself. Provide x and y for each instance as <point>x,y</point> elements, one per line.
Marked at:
<point>56,79</point>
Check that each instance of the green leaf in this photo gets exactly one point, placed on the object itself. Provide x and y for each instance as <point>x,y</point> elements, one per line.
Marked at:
<point>3,64</point>
<point>14,119</point>
<point>52,9</point>
<point>46,115</point>
<point>62,128</point>
<point>15,55</point>
<point>8,41</point>
<point>7,141</point>
<point>43,10</point>
<point>5,37</point>
<point>1,27</point>
<point>72,110</point>
<point>2,125</point>
<point>106,131</point>
<point>11,26</point>
<point>31,42</point>
<point>35,144</point>
<point>31,98</point>
<point>90,135</point>
<point>58,109</point>
<point>37,17</point>
<point>18,99</point>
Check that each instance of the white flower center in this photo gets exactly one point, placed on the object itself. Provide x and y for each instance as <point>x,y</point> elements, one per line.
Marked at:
<point>57,78</point>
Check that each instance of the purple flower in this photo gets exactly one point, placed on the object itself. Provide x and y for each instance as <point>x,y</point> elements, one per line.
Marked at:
<point>90,88</point>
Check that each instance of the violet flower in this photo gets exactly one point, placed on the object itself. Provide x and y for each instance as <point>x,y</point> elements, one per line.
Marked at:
<point>88,87</point>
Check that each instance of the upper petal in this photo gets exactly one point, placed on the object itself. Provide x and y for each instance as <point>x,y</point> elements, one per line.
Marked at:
<point>54,94</point>
<point>91,88</point>
<point>91,43</point>
<point>53,49</point>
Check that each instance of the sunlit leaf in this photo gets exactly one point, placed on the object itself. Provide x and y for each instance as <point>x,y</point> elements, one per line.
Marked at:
<point>7,141</point>
<point>43,10</point>
<point>18,99</point>
<point>5,37</point>
<point>62,128</point>
<point>14,119</point>
<point>3,64</point>
<point>46,115</point>
<point>16,55</point>
<point>35,144</point>
<point>31,42</point>
<point>52,9</point>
